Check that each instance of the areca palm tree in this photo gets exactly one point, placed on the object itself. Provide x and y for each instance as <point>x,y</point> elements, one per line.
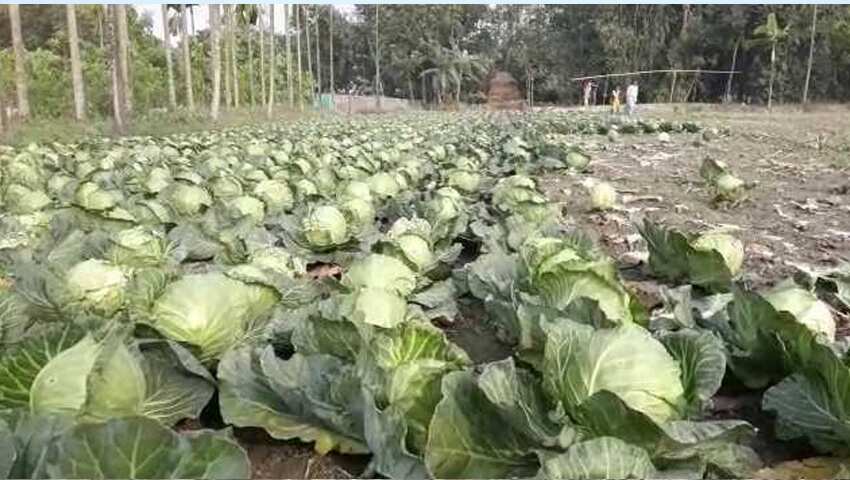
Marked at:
<point>180,23</point>
<point>216,60</point>
<point>166,45</point>
<point>771,34</point>
<point>247,15</point>
<point>20,61</point>
<point>76,65</point>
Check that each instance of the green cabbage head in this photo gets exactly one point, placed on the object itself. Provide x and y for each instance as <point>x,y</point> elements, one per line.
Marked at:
<point>189,199</point>
<point>325,227</point>
<point>603,196</point>
<point>211,312</point>
<point>97,286</point>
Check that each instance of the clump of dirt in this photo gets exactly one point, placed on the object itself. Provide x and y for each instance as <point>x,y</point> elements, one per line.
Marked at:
<point>271,458</point>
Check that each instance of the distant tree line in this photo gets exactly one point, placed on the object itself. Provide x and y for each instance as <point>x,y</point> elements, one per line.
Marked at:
<point>106,61</point>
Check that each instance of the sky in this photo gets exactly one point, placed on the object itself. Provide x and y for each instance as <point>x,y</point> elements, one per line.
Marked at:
<point>202,17</point>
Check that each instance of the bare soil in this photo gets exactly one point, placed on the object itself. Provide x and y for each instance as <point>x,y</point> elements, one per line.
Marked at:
<point>799,211</point>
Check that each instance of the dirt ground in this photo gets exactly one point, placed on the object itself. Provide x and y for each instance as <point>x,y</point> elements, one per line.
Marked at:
<point>799,210</point>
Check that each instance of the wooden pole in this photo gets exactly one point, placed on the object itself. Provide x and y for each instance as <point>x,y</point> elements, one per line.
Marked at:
<point>642,72</point>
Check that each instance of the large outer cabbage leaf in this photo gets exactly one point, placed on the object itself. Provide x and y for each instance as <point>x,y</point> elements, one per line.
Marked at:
<point>580,361</point>
<point>143,448</point>
<point>804,306</point>
<point>211,312</point>
<point>469,438</point>
<point>401,371</point>
<point>603,457</point>
<point>314,398</point>
<point>21,363</point>
<point>673,258</point>
<point>97,380</point>
<point>383,272</point>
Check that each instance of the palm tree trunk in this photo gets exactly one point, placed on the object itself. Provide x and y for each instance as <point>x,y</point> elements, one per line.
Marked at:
<point>772,71</point>
<point>297,12</point>
<point>100,14</point>
<point>252,83</point>
<point>270,105</point>
<point>307,39</point>
<point>2,114</point>
<point>76,65</point>
<point>331,50</point>
<point>288,56</point>
<point>187,58</point>
<point>166,45</point>
<point>20,61</point>
<point>119,103</point>
<point>228,96</point>
<point>811,54</point>
<point>234,62</point>
<point>377,60</point>
<point>318,58</point>
<point>215,27</point>
<point>262,53</point>
<point>124,54</point>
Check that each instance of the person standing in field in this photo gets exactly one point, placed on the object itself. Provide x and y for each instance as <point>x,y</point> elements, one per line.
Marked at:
<point>631,97</point>
<point>587,87</point>
<point>615,100</point>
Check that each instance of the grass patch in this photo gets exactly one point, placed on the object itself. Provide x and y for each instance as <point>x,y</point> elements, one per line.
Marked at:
<point>156,123</point>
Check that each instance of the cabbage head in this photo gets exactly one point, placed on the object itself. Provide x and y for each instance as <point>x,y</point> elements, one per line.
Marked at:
<point>325,227</point>
<point>357,189</point>
<point>211,312</point>
<point>412,238</point>
<point>446,205</point>
<point>563,272</point>
<point>158,178</point>
<point>97,286</point>
<point>276,194</point>
<point>729,247</point>
<point>577,160</point>
<point>305,188</point>
<point>384,185</point>
<point>603,196</point>
<point>188,200</point>
<point>91,197</point>
<point>137,247</point>
<point>359,212</point>
<point>278,260</point>
<point>21,200</point>
<point>226,187</point>
<point>464,180</point>
<point>804,306</point>
<point>247,206</point>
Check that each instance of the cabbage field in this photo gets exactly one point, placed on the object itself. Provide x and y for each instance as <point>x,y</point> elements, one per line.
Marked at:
<point>419,296</point>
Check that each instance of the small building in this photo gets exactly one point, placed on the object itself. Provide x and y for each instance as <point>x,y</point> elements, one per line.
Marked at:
<point>503,92</point>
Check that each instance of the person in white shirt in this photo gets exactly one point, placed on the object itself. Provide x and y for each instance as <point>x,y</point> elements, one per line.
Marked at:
<point>631,97</point>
